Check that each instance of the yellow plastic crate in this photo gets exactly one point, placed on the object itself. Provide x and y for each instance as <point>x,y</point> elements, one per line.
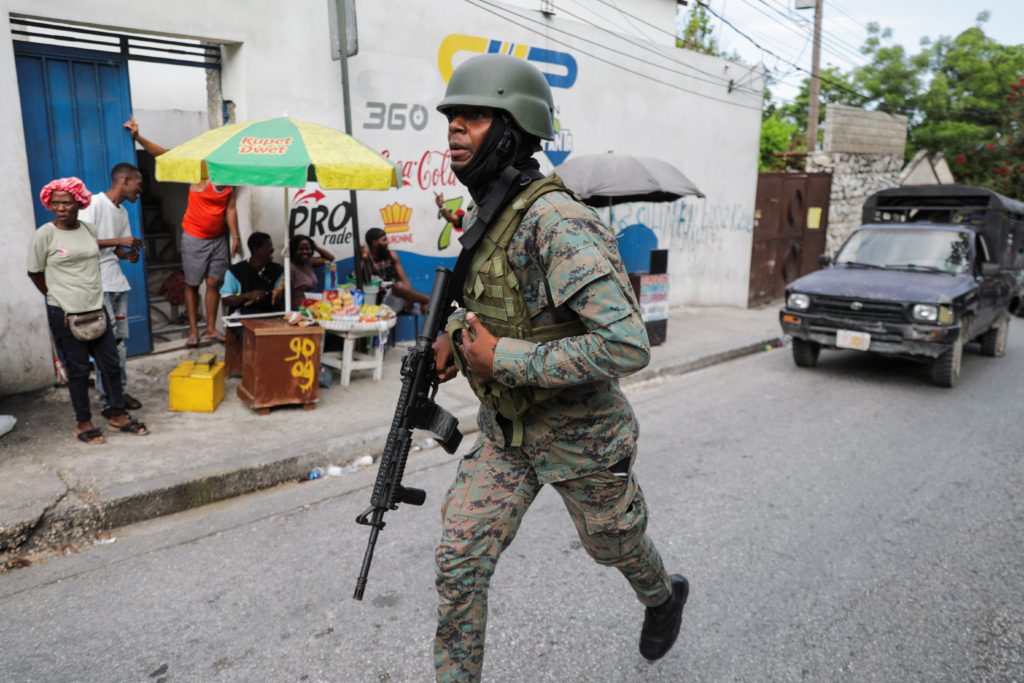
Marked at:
<point>197,386</point>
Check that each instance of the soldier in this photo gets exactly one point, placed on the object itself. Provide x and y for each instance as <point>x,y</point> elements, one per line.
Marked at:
<point>547,324</point>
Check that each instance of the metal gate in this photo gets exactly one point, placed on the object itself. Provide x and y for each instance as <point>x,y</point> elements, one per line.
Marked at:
<point>73,105</point>
<point>790,224</point>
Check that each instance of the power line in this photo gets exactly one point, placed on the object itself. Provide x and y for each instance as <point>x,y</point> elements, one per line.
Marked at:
<point>831,43</point>
<point>835,84</point>
<point>486,6</point>
<point>657,28</point>
<point>888,108</point>
<point>718,80</point>
<point>801,34</point>
<point>846,13</point>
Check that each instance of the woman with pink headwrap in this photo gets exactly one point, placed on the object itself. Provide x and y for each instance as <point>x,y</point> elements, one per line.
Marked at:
<point>64,264</point>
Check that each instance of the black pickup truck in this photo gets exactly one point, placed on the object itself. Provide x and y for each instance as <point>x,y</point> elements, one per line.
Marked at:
<point>931,269</point>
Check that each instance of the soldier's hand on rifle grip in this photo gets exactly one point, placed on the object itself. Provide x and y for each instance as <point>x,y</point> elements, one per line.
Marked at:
<point>479,348</point>
<point>443,363</point>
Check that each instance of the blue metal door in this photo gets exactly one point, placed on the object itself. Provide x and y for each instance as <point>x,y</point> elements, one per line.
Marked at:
<point>73,106</point>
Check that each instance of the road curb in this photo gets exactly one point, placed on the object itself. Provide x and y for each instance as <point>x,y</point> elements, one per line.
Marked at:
<point>705,361</point>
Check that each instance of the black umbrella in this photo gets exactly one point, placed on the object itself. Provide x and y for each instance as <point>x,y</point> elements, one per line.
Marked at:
<point>605,179</point>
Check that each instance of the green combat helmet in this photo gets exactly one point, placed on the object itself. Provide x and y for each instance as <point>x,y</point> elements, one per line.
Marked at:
<point>504,82</point>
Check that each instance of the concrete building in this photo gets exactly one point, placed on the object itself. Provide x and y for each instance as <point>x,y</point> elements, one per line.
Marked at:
<point>618,81</point>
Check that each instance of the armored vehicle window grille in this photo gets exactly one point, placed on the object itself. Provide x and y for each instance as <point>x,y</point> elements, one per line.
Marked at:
<point>858,309</point>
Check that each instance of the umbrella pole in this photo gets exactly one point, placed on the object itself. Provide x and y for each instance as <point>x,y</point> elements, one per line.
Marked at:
<point>287,258</point>
<point>357,252</point>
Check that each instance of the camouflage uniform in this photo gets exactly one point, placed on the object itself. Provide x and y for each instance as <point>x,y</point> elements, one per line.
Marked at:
<point>570,441</point>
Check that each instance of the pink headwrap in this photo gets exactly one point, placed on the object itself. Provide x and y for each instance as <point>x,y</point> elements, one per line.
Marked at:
<point>75,187</point>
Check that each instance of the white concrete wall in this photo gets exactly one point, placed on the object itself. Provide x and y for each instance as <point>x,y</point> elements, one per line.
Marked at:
<point>630,96</point>
<point>636,94</point>
<point>25,359</point>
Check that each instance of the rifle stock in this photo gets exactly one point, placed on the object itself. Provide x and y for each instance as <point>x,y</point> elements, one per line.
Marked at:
<point>416,409</point>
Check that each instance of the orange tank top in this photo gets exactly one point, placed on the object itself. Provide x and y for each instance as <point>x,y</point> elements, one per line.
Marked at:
<point>204,217</point>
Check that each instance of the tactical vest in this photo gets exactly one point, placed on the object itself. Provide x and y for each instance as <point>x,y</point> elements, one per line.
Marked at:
<point>491,290</point>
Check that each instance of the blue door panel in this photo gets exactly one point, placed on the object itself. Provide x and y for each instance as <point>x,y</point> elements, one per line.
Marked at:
<point>89,126</point>
<point>73,104</point>
<point>40,165</point>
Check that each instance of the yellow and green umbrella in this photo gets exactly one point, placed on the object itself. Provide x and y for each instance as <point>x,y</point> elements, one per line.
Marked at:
<point>280,152</point>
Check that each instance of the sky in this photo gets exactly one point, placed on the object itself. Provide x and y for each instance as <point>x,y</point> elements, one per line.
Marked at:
<point>787,32</point>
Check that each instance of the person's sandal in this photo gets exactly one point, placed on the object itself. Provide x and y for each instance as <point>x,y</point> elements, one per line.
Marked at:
<point>131,427</point>
<point>90,437</point>
<point>131,403</point>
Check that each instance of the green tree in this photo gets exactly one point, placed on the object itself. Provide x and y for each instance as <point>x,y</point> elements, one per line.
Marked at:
<point>970,109</point>
<point>998,162</point>
<point>778,137</point>
<point>892,80</point>
<point>697,32</point>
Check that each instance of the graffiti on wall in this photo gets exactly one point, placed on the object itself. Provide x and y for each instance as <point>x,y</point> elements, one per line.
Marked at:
<point>679,223</point>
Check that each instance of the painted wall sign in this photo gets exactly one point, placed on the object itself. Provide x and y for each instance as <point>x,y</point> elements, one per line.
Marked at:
<point>327,223</point>
<point>429,170</point>
<point>564,75</point>
<point>395,116</point>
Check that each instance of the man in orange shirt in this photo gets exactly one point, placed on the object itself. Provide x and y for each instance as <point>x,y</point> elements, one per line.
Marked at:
<point>204,249</point>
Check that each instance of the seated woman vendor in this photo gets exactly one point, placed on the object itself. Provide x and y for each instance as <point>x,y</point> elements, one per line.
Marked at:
<point>305,256</point>
<point>256,285</point>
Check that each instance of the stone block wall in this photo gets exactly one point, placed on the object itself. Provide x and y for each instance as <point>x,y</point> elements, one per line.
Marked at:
<point>864,152</point>
<point>859,131</point>
<point>855,177</point>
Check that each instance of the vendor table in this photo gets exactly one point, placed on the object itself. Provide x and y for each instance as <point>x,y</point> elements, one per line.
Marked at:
<point>280,364</point>
<point>350,358</point>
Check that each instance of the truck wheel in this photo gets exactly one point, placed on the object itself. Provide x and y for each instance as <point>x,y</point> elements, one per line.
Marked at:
<point>993,342</point>
<point>805,353</point>
<point>946,368</point>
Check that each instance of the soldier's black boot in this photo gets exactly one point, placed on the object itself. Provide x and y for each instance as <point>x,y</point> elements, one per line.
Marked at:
<point>661,623</point>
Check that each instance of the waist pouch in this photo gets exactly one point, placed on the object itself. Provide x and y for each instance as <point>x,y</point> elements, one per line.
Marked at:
<point>87,326</point>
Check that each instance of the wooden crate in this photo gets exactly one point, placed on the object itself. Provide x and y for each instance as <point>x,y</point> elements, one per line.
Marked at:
<point>280,364</point>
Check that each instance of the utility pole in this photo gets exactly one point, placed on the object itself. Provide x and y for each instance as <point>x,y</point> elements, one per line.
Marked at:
<point>812,109</point>
<point>346,47</point>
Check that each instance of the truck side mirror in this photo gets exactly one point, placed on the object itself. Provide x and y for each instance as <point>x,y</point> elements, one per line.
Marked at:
<point>824,260</point>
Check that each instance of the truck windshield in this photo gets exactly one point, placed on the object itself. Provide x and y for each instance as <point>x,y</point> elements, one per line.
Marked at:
<point>944,250</point>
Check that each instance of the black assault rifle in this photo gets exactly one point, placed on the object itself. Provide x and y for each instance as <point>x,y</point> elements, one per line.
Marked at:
<point>415,410</point>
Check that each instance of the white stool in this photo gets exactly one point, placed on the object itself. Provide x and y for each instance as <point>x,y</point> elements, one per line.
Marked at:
<point>356,360</point>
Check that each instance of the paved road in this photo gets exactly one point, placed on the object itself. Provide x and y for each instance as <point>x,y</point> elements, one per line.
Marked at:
<point>850,522</point>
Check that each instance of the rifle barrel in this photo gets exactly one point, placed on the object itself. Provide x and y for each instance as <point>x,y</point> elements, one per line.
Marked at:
<point>375,526</point>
